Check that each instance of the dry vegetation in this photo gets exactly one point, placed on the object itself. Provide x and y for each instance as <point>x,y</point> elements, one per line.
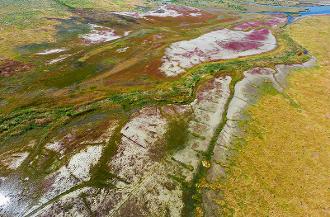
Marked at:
<point>283,167</point>
<point>102,4</point>
<point>35,21</point>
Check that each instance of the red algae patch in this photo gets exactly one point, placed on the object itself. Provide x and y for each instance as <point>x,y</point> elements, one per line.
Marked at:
<point>12,67</point>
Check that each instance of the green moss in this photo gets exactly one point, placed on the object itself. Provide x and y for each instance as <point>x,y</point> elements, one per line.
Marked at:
<point>179,91</point>
<point>76,3</point>
<point>101,176</point>
<point>198,135</point>
<point>267,88</point>
<point>174,140</point>
<point>176,134</point>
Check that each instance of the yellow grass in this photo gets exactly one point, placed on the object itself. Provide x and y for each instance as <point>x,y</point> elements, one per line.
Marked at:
<point>284,167</point>
<point>11,37</point>
<point>37,29</point>
<point>117,5</point>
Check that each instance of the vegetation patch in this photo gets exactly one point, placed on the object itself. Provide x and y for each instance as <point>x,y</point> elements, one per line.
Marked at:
<point>176,134</point>
<point>175,138</point>
<point>280,167</point>
<point>11,67</point>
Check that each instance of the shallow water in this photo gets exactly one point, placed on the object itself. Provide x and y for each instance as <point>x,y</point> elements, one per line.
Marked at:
<point>315,10</point>
<point>309,11</point>
<point>312,10</point>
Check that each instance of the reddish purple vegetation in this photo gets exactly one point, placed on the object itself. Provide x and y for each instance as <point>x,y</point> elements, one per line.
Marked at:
<point>248,25</point>
<point>241,45</point>
<point>182,9</point>
<point>251,41</point>
<point>203,93</point>
<point>277,20</point>
<point>260,71</point>
<point>270,23</point>
<point>258,35</point>
<point>195,52</point>
<point>11,67</point>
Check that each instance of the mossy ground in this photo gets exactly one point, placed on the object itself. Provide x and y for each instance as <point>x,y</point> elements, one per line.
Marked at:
<point>29,102</point>
<point>71,86</point>
<point>83,85</point>
<point>281,167</point>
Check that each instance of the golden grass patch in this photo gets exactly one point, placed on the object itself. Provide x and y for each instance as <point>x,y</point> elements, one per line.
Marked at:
<point>11,37</point>
<point>283,169</point>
